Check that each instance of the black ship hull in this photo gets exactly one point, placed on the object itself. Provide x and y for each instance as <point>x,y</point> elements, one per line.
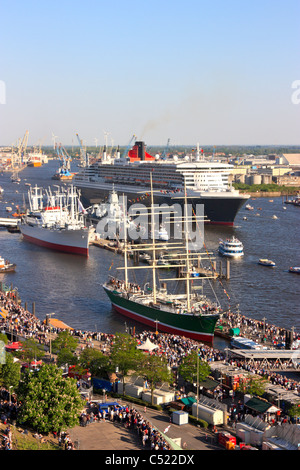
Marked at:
<point>218,209</point>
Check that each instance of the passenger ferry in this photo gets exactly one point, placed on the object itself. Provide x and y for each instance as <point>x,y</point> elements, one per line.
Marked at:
<point>231,247</point>
<point>207,182</point>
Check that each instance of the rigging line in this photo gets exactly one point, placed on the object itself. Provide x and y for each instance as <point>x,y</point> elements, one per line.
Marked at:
<point>213,268</point>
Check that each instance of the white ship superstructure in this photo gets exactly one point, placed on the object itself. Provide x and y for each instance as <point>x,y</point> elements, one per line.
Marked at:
<point>55,221</point>
<point>207,183</point>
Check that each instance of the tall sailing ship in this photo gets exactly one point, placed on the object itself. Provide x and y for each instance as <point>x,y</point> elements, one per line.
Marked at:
<point>206,182</point>
<point>191,313</point>
<point>55,221</point>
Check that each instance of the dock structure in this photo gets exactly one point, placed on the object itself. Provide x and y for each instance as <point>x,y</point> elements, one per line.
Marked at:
<point>9,222</point>
<point>212,273</point>
<point>270,359</point>
<point>107,245</point>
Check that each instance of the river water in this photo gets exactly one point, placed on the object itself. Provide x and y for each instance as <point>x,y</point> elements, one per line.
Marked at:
<point>70,285</point>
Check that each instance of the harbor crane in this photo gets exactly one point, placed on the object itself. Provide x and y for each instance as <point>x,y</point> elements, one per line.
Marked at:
<point>125,153</point>
<point>18,158</point>
<point>164,153</point>
<point>84,155</point>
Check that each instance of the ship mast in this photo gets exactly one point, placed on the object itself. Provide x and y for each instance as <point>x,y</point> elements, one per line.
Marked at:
<point>125,244</point>
<point>153,243</point>
<point>187,251</point>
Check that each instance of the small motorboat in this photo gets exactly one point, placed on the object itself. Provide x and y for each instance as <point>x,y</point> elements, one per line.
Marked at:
<point>294,269</point>
<point>6,266</point>
<point>267,262</point>
<point>274,217</point>
<point>248,207</point>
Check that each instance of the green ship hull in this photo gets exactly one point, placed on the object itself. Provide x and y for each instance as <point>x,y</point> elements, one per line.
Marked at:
<point>194,326</point>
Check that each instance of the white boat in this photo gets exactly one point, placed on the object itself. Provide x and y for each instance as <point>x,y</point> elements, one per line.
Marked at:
<point>274,217</point>
<point>266,262</point>
<point>109,217</point>
<point>57,223</point>
<point>1,190</point>
<point>294,269</point>
<point>248,207</point>
<point>161,234</point>
<point>231,247</point>
<point>15,178</point>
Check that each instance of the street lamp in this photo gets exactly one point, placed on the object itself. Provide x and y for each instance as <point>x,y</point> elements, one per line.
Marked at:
<point>49,323</point>
<point>156,326</point>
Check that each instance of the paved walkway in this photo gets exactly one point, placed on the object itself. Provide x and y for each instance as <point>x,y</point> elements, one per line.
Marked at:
<point>113,436</point>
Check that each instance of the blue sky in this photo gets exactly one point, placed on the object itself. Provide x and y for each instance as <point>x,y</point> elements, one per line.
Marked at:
<point>196,71</point>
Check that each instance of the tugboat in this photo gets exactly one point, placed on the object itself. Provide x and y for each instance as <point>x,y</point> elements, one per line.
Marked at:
<point>6,266</point>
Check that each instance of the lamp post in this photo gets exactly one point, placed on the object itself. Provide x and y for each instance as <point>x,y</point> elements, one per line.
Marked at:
<point>156,326</point>
<point>49,324</point>
<point>197,384</point>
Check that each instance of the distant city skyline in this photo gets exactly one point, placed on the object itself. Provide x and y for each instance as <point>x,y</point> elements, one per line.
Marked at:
<point>213,73</point>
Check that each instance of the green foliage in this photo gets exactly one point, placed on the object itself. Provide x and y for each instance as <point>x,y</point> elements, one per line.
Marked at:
<point>294,410</point>
<point>254,385</point>
<point>125,355</point>
<point>49,401</point>
<point>10,373</point>
<point>201,422</point>
<point>253,188</point>
<point>96,362</point>
<point>30,350</point>
<point>155,370</point>
<point>3,338</point>
<point>188,368</point>
<point>64,340</point>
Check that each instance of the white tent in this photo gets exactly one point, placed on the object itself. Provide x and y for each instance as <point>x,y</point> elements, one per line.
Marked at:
<point>147,345</point>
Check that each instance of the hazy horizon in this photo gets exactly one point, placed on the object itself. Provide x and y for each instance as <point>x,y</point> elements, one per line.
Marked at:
<point>217,74</point>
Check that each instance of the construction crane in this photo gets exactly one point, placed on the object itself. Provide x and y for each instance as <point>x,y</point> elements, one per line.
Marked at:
<point>125,153</point>
<point>84,155</point>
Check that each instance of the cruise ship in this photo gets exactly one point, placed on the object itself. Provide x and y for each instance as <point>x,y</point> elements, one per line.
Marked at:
<point>206,182</point>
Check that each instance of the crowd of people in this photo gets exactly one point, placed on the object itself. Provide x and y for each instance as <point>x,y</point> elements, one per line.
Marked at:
<point>21,323</point>
<point>131,419</point>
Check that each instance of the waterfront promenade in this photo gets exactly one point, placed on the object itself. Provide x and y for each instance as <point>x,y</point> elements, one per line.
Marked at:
<point>21,324</point>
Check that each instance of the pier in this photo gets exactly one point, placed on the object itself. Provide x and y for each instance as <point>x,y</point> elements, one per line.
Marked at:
<point>9,222</point>
<point>212,273</point>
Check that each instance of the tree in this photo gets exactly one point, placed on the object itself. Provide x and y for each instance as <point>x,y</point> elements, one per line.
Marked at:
<point>64,346</point>
<point>49,402</point>
<point>30,350</point>
<point>189,366</point>
<point>294,410</point>
<point>64,340</point>
<point>155,370</point>
<point>10,373</point>
<point>125,355</point>
<point>254,385</point>
<point>96,362</point>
